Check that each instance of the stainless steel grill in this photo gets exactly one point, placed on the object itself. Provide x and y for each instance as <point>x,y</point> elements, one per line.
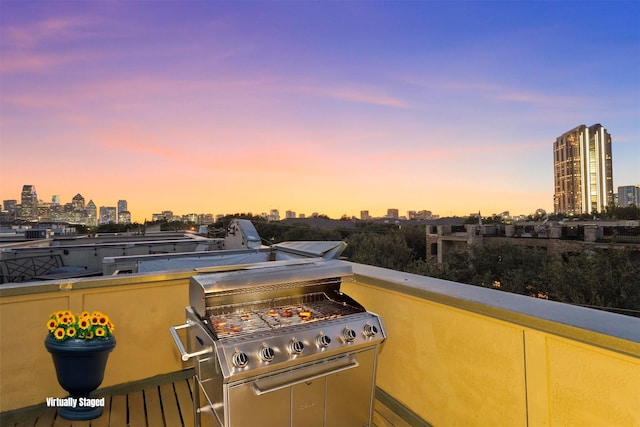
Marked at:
<point>281,345</point>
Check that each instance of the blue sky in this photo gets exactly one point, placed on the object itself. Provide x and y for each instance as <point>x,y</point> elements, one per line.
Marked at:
<point>330,107</point>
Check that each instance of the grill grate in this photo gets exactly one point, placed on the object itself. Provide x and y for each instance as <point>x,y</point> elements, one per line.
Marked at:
<point>261,316</point>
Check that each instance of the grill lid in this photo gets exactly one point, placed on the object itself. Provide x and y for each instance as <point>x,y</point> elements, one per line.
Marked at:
<point>282,277</point>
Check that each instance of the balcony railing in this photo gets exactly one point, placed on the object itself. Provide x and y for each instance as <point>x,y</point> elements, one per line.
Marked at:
<point>455,354</point>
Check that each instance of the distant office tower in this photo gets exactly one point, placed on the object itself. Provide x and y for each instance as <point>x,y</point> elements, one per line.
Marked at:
<point>10,206</point>
<point>364,215</point>
<point>107,215</point>
<point>122,207</point>
<point>583,172</point>
<point>629,195</point>
<point>91,213</point>
<point>124,217</point>
<point>29,203</point>
<point>78,202</point>
<point>393,213</point>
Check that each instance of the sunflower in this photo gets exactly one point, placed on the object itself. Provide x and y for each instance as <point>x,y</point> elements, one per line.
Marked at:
<point>84,323</point>
<point>94,319</point>
<point>59,314</point>
<point>100,331</point>
<point>111,326</point>
<point>84,314</point>
<point>52,324</point>
<point>59,333</point>
<point>103,320</point>
<point>71,332</point>
<point>89,335</point>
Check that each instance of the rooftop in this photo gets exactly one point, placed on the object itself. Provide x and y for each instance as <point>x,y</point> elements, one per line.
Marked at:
<point>455,354</point>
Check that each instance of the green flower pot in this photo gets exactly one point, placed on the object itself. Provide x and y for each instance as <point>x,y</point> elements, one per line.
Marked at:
<point>80,366</point>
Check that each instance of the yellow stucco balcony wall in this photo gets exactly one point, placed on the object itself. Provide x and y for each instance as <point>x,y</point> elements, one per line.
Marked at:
<point>455,354</point>
<point>461,355</point>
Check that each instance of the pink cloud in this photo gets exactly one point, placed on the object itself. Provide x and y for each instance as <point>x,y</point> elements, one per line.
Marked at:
<point>362,96</point>
<point>34,33</point>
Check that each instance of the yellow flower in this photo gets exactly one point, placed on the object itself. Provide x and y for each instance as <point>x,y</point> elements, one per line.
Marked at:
<point>63,324</point>
<point>59,333</point>
<point>84,323</point>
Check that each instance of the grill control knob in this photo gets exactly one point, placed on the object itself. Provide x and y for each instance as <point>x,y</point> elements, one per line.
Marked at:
<point>267,354</point>
<point>349,334</point>
<point>240,359</point>
<point>323,340</point>
<point>370,330</point>
<point>296,346</point>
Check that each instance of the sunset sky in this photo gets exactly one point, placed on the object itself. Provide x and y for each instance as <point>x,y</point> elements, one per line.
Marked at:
<point>329,107</point>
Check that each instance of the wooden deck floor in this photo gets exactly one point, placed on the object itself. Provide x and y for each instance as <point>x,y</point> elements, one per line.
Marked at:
<point>168,404</point>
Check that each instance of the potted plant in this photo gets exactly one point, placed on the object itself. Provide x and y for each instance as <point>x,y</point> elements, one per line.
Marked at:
<point>79,345</point>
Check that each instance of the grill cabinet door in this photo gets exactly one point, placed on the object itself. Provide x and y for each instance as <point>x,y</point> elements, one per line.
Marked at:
<point>350,393</point>
<point>307,403</point>
<point>246,409</point>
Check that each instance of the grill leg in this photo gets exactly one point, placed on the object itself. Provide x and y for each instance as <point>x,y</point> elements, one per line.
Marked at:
<point>196,402</point>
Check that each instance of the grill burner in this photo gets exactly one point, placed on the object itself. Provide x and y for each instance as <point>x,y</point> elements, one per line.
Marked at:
<point>269,340</point>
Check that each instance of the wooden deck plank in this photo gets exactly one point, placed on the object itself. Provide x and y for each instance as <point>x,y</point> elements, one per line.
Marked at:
<point>137,417</point>
<point>46,418</point>
<point>118,413</point>
<point>23,423</point>
<point>103,420</point>
<point>170,406</point>
<point>61,422</point>
<point>144,408</point>
<point>185,402</point>
<point>154,409</point>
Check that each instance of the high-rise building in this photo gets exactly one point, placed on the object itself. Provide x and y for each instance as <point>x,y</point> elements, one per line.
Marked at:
<point>91,214</point>
<point>29,203</point>
<point>10,206</point>
<point>78,202</point>
<point>107,215</point>
<point>629,195</point>
<point>583,172</point>
<point>123,214</point>
<point>364,215</point>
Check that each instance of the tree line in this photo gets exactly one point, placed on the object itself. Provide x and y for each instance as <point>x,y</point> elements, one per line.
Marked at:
<point>607,279</point>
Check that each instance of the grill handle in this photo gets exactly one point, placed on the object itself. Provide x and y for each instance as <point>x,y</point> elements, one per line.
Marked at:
<point>258,390</point>
<point>183,353</point>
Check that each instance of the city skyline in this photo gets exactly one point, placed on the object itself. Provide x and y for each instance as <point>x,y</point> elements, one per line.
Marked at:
<point>311,107</point>
<point>55,199</point>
